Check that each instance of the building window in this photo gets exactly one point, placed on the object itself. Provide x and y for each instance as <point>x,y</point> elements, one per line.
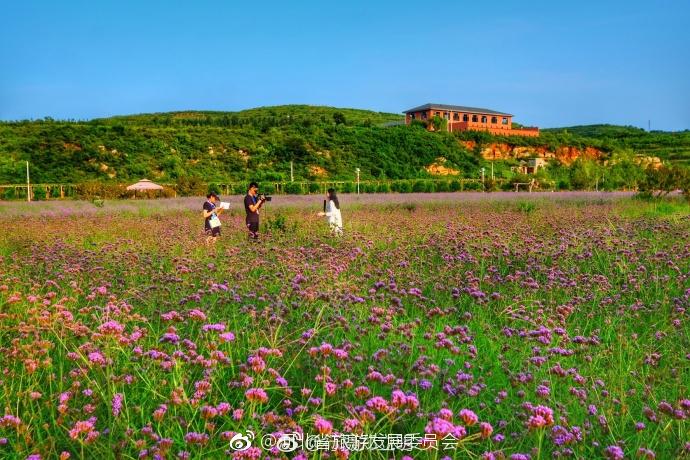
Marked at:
<point>494,120</point>
<point>412,116</point>
<point>474,118</point>
<point>483,119</point>
<point>465,117</point>
<point>424,115</point>
<point>456,117</point>
<point>438,114</point>
<point>505,120</point>
<point>446,115</point>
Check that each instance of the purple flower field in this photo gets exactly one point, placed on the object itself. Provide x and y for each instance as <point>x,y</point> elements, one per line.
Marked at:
<point>485,326</point>
<point>71,207</point>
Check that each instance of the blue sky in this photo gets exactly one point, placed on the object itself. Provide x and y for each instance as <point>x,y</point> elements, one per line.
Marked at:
<point>550,63</point>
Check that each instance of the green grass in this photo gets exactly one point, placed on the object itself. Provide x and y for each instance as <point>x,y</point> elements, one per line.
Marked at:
<point>606,279</point>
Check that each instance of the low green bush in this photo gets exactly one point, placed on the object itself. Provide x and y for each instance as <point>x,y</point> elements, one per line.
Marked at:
<point>419,186</point>
<point>39,193</point>
<point>383,187</point>
<point>473,186</point>
<point>368,187</point>
<point>292,188</point>
<point>404,187</point>
<point>442,186</point>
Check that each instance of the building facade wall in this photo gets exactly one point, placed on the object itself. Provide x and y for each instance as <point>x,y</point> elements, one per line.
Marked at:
<point>529,132</point>
<point>473,121</point>
<point>475,118</point>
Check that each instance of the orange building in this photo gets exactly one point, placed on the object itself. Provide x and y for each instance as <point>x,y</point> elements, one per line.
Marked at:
<point>461,118</point>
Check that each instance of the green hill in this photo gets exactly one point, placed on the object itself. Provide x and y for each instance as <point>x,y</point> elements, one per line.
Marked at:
<point>670,146</point>
<point>324,143</point>
<point>225,146</point>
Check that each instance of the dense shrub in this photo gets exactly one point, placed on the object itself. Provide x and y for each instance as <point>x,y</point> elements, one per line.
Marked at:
<point>383,187</point>
<point>213,188</point>
<point>39,193</point>
<point>491,185</point>
<point>239,188</point>
<point>368,187</point>
<point>442,186</point>
<point>666,179</point>
<point>108,191</point>
<point>563,184</point>
<point>168,192</point>
<point>404,186</point>
<point>473,186</point>
<point>506,186</point>
<point>293,188</point>
<point>190,186</point>
<point>419,186</point>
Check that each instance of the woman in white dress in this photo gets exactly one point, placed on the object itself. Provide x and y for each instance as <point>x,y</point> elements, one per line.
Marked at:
<point>332,211</point>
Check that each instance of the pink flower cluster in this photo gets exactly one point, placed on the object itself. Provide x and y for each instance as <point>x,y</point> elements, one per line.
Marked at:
<point>84,427</point>
<point>256,395</point>
<point>540,417</point>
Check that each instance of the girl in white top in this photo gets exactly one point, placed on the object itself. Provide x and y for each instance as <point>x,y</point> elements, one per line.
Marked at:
<point>332,211</point>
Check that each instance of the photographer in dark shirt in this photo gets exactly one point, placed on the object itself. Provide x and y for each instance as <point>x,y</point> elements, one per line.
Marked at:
<point>252,204</point>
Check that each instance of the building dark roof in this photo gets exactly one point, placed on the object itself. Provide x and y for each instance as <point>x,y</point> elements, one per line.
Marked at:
<point>457,108</point>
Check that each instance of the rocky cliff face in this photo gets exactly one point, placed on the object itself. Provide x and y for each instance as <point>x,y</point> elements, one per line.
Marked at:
<point>438,168</point>
<point>564,154</point>
<point>648,162</point>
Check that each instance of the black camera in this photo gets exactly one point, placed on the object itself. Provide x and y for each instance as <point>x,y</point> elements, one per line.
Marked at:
<point>263,197</point>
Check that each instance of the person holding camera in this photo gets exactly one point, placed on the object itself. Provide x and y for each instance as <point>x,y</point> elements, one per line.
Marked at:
<point>331,209</point>
<point>252,203</point>
<point>211,221</point>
